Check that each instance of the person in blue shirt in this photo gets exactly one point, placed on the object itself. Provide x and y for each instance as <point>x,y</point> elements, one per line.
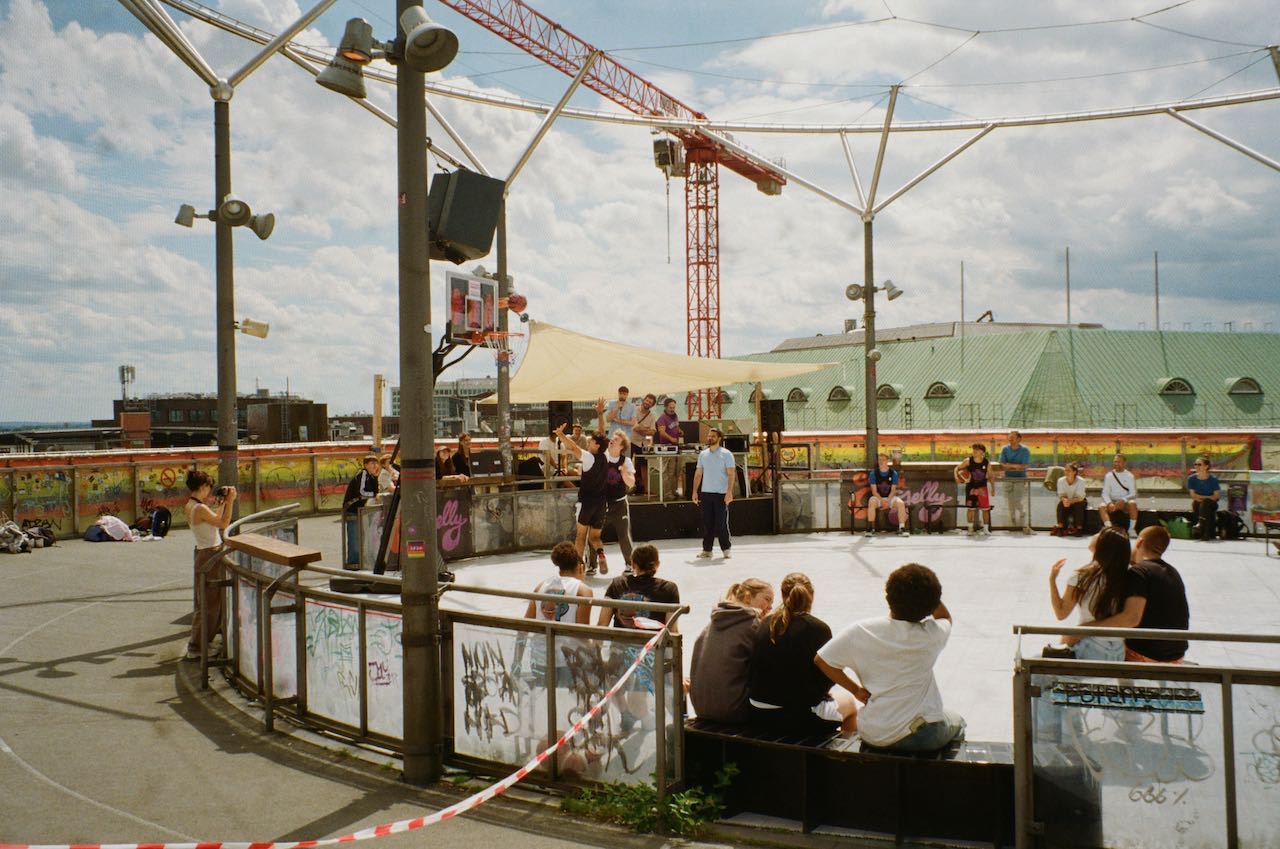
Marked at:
<point>713,492</point>
<point>883,481</point>
<point>1014,459</point>
<point>1205,490</point>
<point>621,415</point>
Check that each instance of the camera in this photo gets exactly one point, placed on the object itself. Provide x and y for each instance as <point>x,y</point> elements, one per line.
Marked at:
<point>222,491</point>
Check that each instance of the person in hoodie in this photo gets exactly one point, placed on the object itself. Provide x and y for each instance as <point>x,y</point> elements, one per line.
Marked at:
<point>722,653</point>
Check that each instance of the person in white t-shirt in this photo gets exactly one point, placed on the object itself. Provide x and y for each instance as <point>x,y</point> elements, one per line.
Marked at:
<point>1119,492</point>
<point>893,658</point>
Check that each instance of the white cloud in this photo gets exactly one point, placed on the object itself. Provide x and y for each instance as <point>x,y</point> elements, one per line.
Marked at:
<point>109,141</point>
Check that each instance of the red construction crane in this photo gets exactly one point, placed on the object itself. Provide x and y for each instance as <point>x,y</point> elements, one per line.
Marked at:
<point>548,41</point>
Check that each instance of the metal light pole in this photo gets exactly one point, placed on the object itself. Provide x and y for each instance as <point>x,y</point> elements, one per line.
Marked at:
<point>225,302</point>
<point>423,698</point>
<point>869,343</point>
<point>504,359</point>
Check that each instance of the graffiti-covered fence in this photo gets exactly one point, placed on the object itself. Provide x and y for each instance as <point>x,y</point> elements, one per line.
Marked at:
<point>513,686</point>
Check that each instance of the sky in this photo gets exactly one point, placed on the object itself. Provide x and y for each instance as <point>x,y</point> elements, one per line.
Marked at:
<point>104,133</point>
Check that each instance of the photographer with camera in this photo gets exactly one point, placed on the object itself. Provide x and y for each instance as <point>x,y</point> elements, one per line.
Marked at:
<point>208,514</point>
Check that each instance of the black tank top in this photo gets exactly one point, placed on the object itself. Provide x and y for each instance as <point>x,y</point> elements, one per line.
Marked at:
<point>615,488</point>
<point>594,481</point>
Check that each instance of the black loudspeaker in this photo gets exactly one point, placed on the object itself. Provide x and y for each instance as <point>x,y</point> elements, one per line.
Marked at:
<point>462,213</point>
<point>773,418</point>
<point>558,413</point>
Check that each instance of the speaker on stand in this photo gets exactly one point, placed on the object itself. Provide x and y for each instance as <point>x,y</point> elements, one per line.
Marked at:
<point>772,424</point>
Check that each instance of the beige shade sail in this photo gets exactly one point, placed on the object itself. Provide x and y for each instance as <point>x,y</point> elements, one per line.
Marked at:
<point>560,365</point>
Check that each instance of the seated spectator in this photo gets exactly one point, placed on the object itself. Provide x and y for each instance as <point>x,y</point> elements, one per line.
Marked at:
<point>1205,491</point>
<point>1071,502</point>
<point>1119,492</point>
<point>641,584</point>
<point>893,658</point>
<point>884,493</point>
<point>388,475</point>
<point>570,582</point>
<point>1156,598</point>
<point>444,465</point>
<point>1098,590</point>
<point>722,653</point>
<point>786,693</point>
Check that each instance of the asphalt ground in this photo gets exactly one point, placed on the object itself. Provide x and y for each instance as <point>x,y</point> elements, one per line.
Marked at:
<point>105,736</point>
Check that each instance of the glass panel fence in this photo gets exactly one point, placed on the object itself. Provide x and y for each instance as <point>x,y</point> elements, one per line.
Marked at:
<point>1134,763</point>
<point>333,654</point>
<point>1256,709</point>
<point>510,701</point>
<point>384,660</point>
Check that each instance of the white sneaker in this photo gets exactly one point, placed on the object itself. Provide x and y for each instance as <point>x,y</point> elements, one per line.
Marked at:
<point>984,531</point>
<point>727,555</point>
<point>903,532</point>
<point>704,554</point>
<point>216,645</point>
<point>1026,529</point>
<point>869,533</point>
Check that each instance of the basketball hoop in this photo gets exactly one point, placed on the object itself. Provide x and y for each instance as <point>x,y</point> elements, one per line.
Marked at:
<point>497,341</point>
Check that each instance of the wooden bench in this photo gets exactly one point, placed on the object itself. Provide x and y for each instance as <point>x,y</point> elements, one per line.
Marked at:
<point>273,550</point>
<point>964,792</point>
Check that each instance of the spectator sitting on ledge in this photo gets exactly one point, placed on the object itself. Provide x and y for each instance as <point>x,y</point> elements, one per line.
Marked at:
<point>893,657</point>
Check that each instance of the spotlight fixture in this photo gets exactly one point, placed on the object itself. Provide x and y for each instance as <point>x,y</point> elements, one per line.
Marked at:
<point>186,215</point>
<point>262,225</point>
<point>234,211</point>
<point>428,46</point>
<point>249,327</point>
<point>345,73</point>
<point>891,290</point>
<point>853,292</point>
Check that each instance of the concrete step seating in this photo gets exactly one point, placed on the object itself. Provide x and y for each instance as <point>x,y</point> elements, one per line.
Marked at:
<point>964,792</point>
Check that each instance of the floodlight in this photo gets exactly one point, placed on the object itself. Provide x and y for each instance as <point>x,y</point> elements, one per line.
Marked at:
<point>249,327</point>
<point>345,73</point>
<point>357,42</point>
<point>344,77</point>
<point>428,46</point>
<point>853,292</point>
<point>186,215</point>
<point>262,225</point>
<point>234,211</point>
<point>891,290</point>
<point>874,355</point>
<point>480,271</point>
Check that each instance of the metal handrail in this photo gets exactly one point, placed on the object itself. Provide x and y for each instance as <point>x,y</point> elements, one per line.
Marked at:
<point>1150,634</point>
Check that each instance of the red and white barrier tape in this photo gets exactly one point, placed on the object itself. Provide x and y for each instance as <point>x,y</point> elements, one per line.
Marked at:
<point>468,804</point>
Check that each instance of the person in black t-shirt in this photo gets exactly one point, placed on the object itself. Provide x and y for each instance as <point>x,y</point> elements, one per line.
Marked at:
<point>974,473</point>
<point>592,492</point>
<point>363,486</point>
<point>787,692</point>
<point>641,585</point>
<point>1156,598</point>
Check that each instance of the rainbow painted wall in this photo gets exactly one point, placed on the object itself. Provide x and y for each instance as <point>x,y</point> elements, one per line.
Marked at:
<point>68,492</point>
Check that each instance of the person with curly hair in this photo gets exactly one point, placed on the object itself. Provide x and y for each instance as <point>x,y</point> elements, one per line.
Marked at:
<point>893,657</point>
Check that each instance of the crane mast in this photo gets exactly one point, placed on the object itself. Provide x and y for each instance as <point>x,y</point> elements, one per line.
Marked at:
<point>544,39</point>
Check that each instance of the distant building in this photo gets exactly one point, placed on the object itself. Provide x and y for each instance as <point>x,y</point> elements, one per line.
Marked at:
<point>454,405</point>
<point>191,419</point>
<point>954,375</point>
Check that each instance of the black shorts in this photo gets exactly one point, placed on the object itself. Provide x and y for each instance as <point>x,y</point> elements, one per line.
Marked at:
<point>591,513</point>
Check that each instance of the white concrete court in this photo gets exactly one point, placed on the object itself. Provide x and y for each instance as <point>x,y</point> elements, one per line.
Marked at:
<point>988,583</point>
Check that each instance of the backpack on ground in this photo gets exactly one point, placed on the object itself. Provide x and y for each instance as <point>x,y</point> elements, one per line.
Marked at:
<point>161,519</point>
<point>1231,526</point>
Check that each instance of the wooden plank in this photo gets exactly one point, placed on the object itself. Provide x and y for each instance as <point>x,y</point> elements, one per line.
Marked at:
<point>274,550</point>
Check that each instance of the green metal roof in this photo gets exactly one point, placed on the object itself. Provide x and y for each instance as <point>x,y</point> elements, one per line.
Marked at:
<point>1048,378</point>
